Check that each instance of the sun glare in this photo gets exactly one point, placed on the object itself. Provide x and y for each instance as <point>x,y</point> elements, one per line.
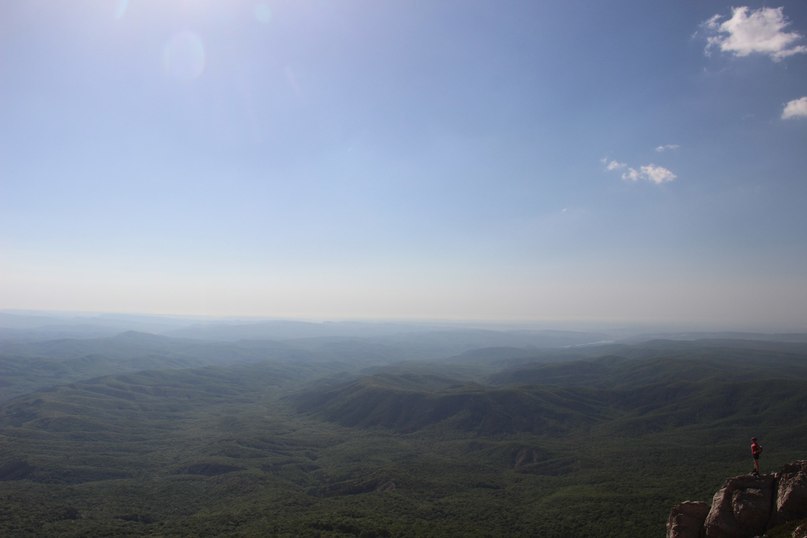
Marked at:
<point>184,56</point>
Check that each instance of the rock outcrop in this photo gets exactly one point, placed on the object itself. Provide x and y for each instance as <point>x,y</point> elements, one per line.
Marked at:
<point>742,507</point>
<point>791,492</point>
<point>746,506</point>
<point>686,519</point>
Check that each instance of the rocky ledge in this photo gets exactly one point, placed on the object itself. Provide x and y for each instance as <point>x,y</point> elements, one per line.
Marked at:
<point>746,506</point>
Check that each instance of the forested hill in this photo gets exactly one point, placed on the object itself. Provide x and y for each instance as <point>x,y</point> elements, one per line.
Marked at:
<point>642,391</point>
<point>143,434</point>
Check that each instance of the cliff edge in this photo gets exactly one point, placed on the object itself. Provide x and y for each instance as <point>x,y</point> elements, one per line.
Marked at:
<point>746,506</point>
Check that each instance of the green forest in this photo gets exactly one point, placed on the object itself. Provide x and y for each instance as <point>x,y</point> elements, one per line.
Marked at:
<point>420,434</point>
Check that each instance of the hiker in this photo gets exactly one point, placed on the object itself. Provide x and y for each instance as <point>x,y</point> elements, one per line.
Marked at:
<point>756,450</point>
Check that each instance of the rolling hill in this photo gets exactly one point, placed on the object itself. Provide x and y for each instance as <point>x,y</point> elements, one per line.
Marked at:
<point>150,435</point>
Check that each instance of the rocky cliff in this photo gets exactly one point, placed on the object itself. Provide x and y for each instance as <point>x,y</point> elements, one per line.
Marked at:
<point>746,506</point>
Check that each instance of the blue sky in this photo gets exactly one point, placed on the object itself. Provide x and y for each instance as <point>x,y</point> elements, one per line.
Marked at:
<point>619,161</point>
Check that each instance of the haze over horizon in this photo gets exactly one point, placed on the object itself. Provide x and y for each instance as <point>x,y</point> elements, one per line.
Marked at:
<point>514,161</point>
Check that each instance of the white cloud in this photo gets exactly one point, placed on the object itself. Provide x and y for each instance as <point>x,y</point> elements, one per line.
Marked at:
<point>667,147</point>
<point>631,175</point>
<point>797,108</point>
<point>656,174</point>
<point>760,31</point>
<point>648,172</point>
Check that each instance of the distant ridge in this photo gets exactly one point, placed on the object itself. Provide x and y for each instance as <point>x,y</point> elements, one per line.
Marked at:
<point>721,336</point>
<point>392,403</point>
<point>659,388</point>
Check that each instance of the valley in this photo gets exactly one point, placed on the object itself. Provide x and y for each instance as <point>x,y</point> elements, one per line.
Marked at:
<point>386,435</point>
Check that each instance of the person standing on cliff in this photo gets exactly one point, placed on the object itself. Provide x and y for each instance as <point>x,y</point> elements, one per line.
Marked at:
<point>756,450</point>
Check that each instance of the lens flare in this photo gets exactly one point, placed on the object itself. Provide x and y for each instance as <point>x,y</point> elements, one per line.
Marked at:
<point>263,13</point>
<point>120,8</point>
<point>184,56</point>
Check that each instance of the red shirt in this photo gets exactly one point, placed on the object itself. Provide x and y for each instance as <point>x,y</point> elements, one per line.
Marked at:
<point>756,450</point>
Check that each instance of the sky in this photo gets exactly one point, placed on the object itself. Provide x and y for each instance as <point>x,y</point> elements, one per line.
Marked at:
<point>532,160</point>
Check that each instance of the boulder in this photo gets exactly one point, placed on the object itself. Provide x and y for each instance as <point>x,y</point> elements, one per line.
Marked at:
<point>741,508</point>
<point>791,492</point>
<point>686,520</point>
<point>801,531</point>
